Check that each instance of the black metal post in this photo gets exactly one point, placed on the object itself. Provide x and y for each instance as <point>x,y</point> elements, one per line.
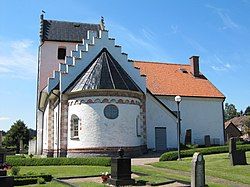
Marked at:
<point>178,130</point>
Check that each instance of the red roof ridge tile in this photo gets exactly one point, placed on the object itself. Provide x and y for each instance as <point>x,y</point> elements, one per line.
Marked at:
<point>163,63</point>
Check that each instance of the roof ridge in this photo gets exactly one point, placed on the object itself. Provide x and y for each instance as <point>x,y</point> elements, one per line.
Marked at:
<point>165,63</point>
<point>70,22</point>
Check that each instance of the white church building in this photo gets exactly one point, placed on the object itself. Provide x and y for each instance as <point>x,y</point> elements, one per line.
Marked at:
<point>93,100</point>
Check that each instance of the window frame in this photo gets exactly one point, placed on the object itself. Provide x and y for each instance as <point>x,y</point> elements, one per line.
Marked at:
<point>74,127</point>
<point>111,111</point>
<point>137,124</point>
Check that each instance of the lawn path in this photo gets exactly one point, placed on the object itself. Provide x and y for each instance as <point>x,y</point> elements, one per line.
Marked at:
<point>209,179</point>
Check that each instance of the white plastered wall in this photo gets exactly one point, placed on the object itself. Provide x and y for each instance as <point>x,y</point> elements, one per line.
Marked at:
<point>49,60</point>
<point>158,116</point>
<point>45,127</point>
<point>98,131</point>
<point>39,139</point>
<point>204,116</point>
<point>56,128</point>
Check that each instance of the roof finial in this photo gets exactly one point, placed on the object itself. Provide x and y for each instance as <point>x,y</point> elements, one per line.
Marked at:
<point>102,24</point>
<point>41,17</point>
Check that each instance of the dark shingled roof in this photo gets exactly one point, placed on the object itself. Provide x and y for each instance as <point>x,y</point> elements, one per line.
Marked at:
<point>104,73</point>
<point>52,30</point>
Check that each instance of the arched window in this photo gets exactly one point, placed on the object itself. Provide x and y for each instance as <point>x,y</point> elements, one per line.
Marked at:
<point>74,126</point>
<point>138,128</point>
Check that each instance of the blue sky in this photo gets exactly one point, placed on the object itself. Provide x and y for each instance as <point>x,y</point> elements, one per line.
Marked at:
<point>165,31</point>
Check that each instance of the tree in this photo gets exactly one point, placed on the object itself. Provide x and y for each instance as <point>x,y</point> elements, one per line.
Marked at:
<point>247,111</point>
<point>246,126</point>
<point>18,131</point>
<point>230,111</point>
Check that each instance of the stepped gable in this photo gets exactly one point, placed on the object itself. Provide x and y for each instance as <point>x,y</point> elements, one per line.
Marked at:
<point>85,58</point>
<point>52,30</point>
<point>104,73</point>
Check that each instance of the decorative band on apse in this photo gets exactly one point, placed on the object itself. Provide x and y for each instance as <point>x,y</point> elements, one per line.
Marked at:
<point>104,100</point>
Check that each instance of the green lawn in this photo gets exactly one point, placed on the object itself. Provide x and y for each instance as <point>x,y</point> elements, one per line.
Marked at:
<point>217,165</point>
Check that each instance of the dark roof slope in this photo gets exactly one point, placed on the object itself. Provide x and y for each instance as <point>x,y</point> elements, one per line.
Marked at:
<point>237,121</point>
<point>104,73</point>
<point>52,30</point>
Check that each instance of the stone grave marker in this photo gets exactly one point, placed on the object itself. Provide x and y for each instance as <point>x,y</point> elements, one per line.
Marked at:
<point>21,146</point>
<point>188,137</point>
<point>121,170</point>
<point>207,141</point>
<point>198,170</point>
<point>237,157</point>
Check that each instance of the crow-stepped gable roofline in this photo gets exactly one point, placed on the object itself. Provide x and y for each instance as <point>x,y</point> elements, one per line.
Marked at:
<point>85,53</point>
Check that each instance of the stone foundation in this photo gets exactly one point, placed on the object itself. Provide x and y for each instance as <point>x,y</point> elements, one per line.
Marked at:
<point>107,151</point>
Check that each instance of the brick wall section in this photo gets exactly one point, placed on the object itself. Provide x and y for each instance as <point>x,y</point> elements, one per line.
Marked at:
<point>64,126</point>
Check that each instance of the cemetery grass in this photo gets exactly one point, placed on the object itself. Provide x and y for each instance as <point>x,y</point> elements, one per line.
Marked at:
<point>65,171</point>
<point>217,165</point>
<point>57,184</point>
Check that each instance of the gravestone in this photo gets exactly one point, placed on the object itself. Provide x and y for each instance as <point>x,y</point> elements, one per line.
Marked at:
<point>21,147</point>
<point>198,170</point>
<point>188,137</point>
<point>237,157</point>
<point>121,170</point>
<point>6,181</point>
<point>207,141</point>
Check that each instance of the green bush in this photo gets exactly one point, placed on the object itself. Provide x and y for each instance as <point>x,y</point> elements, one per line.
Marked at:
<point>173,155</point>
<point>40,180</point>
<point>15,171</point>
<point>47,178</point>
<point>94,161</point>
<point>24,181</point>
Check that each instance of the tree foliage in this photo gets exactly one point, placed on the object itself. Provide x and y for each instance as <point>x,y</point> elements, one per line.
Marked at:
<point>230,111</point>
<point>18,131</point>
<point>246,126</point>
<point>247,111</point>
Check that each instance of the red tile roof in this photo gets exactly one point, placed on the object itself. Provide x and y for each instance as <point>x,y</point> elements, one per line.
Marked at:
<point>168,79</point>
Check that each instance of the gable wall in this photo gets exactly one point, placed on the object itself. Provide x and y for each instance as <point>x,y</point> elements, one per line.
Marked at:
<point>49,61</point>
<point>203,115</point>
<point>157,116</point>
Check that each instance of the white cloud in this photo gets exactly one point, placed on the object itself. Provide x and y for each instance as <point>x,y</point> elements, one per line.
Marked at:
<point>220,65</point>
<point>4,118</point>
<point>18,59</point>
<point>228,23</point>
<point>148,34</point>
<point>196,45</point>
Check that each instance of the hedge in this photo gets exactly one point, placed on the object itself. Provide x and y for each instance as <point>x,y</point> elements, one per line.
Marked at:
<point>93,161</point>
<point>26,180</point>
<point>173,155</point>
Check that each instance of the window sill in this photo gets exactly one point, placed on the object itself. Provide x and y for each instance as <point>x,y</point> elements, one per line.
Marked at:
<point>74,138</point>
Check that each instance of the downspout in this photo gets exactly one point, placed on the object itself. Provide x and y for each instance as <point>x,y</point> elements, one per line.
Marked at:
<point>58,110</point>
